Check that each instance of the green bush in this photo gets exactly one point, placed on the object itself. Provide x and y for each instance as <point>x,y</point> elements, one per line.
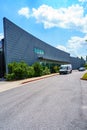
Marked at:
<point>19,70</point>
<point>56,69</point>
<point>85,66</point>
<point>38,69</point>
<point>30,71</point>
<point>10,77</point>
<point>46,71</point>
<point>20,73</point>
<point>11,67</point>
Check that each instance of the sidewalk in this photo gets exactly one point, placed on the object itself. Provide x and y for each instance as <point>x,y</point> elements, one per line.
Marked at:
<point>6,85</point>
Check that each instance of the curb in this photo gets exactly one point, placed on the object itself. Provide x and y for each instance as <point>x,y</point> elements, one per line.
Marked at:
<point>83,79</point>
<point>38,78</point>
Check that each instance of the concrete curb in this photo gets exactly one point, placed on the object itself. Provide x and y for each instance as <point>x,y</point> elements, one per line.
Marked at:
<point>38,78</point>
<point>83,79</point>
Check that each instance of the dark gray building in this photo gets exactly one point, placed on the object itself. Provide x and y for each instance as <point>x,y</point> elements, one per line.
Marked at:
<point>2,61</point>
<point>20,45</point>
<point>77,62</point>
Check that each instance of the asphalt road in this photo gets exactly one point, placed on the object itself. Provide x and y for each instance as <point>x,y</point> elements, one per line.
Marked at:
<point>54,103</point>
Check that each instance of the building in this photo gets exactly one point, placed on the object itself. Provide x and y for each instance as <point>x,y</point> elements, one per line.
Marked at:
<point>2,64</point>
<point>20,45</point>
<point>77,62</point>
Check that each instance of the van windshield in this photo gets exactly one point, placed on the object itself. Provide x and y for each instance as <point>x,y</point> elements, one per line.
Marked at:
<point>63,67</point>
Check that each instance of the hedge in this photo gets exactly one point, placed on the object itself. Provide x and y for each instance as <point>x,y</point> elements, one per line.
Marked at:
<point>20,70</point>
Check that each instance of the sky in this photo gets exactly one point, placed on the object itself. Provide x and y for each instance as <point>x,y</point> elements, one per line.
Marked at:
<point>60,23</point>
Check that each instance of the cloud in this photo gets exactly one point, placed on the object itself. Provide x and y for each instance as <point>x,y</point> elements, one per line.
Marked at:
<point>25,12</point>
<point>75,46</point>
<point>72,17</point>
<point>61,47</point>
<point>1,36</point>
<point>82,0</point>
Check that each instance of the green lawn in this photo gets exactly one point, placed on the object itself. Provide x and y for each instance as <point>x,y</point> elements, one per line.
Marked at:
<point>84,76</point>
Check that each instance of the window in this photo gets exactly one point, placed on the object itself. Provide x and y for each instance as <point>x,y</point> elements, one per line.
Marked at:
<point>38,51</point>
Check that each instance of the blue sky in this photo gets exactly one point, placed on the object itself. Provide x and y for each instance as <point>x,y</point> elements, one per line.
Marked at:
<point>60,23</point>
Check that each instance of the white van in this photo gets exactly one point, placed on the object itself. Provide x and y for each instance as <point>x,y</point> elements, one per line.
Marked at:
<point>65,69</point>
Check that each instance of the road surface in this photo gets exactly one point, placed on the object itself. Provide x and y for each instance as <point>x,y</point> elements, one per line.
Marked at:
<point>54,103</point>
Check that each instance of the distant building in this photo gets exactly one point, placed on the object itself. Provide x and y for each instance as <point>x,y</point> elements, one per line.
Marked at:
<point>19,45</point>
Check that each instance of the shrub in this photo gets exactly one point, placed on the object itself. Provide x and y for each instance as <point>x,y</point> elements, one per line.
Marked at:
<point>20,73</point>
<point>10,77</point>
<point>85,66</point>
<point>56,69</point>
<point>11,67</point>
<point>38,69</point>
<point>20,70</point>
<point>30,71</point>
<point>17,71</point>
<point>46,71</point>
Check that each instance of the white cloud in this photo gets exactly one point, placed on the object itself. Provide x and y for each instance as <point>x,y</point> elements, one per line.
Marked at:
<point>61,47</point>
<point>77,42</point>
<point>25,12</point>
<point>71,17</point>
<point>1,36</point>
<point>82,0</point>
<point>76,46</point>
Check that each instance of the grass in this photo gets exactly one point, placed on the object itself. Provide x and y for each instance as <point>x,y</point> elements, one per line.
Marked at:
<point>84,76</point>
